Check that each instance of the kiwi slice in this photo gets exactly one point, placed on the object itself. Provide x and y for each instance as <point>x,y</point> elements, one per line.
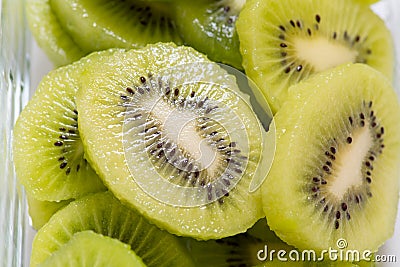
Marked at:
<point>100,24</point>
<point>340,134</point>
<point>49,34</point>
<point>209,27</point>
<point>179,141</point>
<point>282,46</point>
<point>104,214</point>
<point>40,212</point>
<point>244,250</point>
<point>238,250</point>
<point>47,151</point>
<point>88,248</point>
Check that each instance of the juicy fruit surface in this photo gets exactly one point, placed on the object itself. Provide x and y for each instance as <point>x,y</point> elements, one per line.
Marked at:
<point>340,130</point>
<point>49,34</point>
<point>88,248</point>
<point>40,212</point>
<point>47,150</point>
<point>281,46</point>
<point>209,27</point>
<point>102,24</point>
<point>104,214</point>
<point>122,158</point>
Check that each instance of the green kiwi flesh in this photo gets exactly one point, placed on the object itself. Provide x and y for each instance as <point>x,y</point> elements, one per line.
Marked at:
<point>103,214</point>
<point>281,48</point>
<point>340,134</point>
<point>100,24</point>
<point>48,153</point>
<point>88,248</point>
<point>154,175</point>
<point>366,2</point>
<point>209,27</point>
<point>40,212</point>
<point>49,34</point>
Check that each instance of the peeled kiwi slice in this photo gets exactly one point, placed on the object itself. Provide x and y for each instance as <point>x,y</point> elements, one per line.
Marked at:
<point>170,133</point>
<point>100,24</point>
<point>335,172</point>
<point>247,250</point>
<point>209,27</point>
<point>48,153</point>
<point>88,248</point>
<point>40,212</point>
<point>49,34</point>
<point>102,213</point>
<point>284,42</point>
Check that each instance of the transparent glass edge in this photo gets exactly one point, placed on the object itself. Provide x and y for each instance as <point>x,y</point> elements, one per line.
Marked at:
<point>14,94</point>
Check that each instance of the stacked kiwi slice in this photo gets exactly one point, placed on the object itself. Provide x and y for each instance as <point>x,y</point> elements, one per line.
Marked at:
<point>281,48</point>
<point>144,147</point>
<point>70,29</point>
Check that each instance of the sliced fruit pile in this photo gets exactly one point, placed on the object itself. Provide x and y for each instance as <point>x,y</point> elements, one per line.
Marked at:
<point>143,147</point>
<point>70,29</point>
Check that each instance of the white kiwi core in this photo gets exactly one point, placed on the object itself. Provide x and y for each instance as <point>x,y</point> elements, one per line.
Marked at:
<point>323,54</point>
<point>179,125</point>
<point>346,175</point>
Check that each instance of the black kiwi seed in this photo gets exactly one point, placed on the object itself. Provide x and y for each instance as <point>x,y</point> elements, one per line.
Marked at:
<point>176,92</point>
<point>349,140</point>
<point>63,165</point>
<point>318,18</point>
<point>337,215</point>
<point>58,143</point>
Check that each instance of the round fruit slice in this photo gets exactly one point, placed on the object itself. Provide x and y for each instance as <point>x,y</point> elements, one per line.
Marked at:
<point>335,172</point>
<point>48,153</point>
<point>209,27</point>
<point>88,248</point>
<point>49,34</point>
<point>102,213</point>
<point>283,42</point>
<point>100,24</point>
<point>171,134</point>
